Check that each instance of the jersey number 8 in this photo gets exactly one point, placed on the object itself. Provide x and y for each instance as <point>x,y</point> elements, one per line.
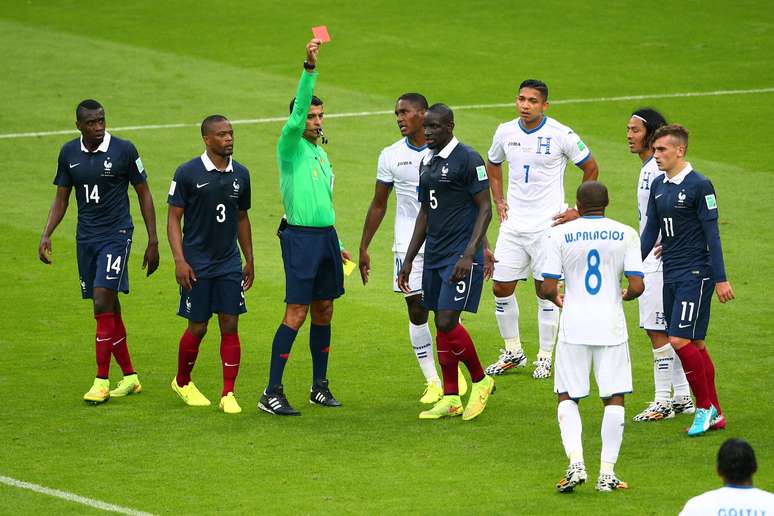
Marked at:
<point>593,260</point>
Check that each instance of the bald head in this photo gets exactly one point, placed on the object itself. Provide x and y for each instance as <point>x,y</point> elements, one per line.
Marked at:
<point>592,198</point>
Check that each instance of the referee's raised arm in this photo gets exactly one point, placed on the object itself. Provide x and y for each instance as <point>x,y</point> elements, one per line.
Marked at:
<point>293,129</point>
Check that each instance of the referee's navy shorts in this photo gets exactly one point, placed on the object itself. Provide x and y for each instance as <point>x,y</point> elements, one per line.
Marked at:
<point>687,307</point>
<point>313,265</point>
<point>438,293</point>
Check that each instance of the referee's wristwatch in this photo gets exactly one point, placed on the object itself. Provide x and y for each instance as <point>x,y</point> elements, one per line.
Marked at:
<point>309,66</point>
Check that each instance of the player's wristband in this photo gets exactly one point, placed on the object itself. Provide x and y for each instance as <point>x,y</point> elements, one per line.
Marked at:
<point>309,66</point>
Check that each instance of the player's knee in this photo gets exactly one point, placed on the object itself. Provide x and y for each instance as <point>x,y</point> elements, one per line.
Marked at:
<point>229,324</point>
<point>417,312</point>
<point>295,315</point>
<point>445,323</point>
<point>501,289</point>
<point>322,313</point>
<point>104,301</point>
<point>197,329</point>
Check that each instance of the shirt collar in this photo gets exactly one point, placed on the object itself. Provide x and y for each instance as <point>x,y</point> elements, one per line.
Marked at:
<point>679,177</point>
<point>445,152</point>
<point>210,166</point>
<point>103,147</point>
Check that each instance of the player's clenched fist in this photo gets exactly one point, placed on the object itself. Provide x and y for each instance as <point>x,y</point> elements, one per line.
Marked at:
<point>311,50</point>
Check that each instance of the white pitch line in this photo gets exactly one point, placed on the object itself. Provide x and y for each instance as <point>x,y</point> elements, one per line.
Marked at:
<point>70,497</point>
<point>254,121</point>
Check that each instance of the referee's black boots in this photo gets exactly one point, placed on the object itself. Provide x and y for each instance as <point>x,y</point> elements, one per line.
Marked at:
<point>321,394</point>
<point>276,403</point>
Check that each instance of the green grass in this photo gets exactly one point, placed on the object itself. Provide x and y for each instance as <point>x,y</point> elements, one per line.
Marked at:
<point>169,62</point>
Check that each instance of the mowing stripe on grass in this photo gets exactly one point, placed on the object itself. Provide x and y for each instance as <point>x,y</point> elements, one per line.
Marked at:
<point>253,121</point>
<point>70,497</point>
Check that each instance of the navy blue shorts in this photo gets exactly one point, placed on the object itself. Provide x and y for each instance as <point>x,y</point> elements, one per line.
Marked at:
<point>687,307</point>
<point>313,265</point>
<point>439,294</point>
<point>221,294</point>
<point>103,264</point>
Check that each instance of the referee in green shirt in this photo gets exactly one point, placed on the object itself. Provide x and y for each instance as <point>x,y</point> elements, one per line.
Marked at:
<point>311,250</point>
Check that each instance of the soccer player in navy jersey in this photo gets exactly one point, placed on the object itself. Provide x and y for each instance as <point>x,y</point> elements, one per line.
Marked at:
<point>212,191</point>
<point>452,221</point>
<point>683,206</point>
<point>100,167</point>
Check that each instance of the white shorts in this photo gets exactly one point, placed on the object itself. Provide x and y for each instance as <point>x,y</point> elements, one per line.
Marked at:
<point>415,278</point>
<point>573,363</point>
<point>651,302</point>
<point>517,255</point>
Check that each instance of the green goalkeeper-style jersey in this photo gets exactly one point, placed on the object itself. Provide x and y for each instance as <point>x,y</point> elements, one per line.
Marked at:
<point>306,177</point>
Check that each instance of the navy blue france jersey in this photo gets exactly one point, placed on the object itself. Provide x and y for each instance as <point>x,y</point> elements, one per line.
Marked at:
<point>685,209</point>
<point>448,181</point>
<point>101,180</point>
<point>211,201</point>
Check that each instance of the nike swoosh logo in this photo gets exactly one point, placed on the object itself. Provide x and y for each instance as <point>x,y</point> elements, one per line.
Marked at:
<point>111,277</point>
<point>683,325</point>
<point>119,341</point>
<point>199,186</point>
<point>459,298</point>
<point>102,340</point>
<point>230,365</point>
<point>659,195</point>
<point>73,166</point>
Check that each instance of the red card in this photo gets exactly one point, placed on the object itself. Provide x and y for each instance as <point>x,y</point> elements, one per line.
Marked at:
<point>321,33</point>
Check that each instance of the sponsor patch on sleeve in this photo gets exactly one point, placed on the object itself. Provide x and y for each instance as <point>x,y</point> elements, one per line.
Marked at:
<point>481,171</point>
<point>712,203</point>
<point>581,146</point>
<point>140,167</point>
<point>172,188</point>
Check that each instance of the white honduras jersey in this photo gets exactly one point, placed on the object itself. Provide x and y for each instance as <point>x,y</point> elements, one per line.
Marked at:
<point>592,253</point>
<point>399,167</point>
<point>728,501</point>
<point>648,173</point>
<point>536,162</point>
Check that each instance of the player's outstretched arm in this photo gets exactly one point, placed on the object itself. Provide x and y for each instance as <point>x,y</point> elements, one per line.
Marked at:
<point>55,216</point>
<point>184,274</point>
<point>373,220</point>
<point>245,238</point>
<point>494,171</point>
<point>483,203</point>
<point>151,259</point>
<point>293,130</point>
<point>417,239</point>
<point>635,288</point>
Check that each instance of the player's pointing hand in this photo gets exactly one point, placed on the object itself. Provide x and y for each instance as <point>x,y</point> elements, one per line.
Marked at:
<point>44,250</point>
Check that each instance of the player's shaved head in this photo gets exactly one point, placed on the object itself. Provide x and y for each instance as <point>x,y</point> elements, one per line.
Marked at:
<point>736,462</point>
<point>85,106</point>
<point>415,99</point>
<point>592,197</point>
<point>444,112</point>
<point>210,121</point>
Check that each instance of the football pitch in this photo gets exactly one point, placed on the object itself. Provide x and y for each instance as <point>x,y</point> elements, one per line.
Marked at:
<point>160,67</point>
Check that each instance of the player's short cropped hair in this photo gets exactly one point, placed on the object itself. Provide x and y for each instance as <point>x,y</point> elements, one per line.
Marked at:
<point>736,461</point>
<point>652,120</point>
<point>442,110</point>
<point>676,131</point>
<point>536,85</point>
<point>416,99</point>
<point>316,101</point>
<point>209,121</point>
<point>592,194</point>
<point>86,105</point>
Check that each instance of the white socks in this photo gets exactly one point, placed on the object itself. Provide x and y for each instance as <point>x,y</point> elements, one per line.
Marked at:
<point>612,435</point>
<point>548,325</point>
<point>663,365</point>
<point>507,315</point>
<point>571,429</point>
<point>422,342</point>
<point>679,381</point>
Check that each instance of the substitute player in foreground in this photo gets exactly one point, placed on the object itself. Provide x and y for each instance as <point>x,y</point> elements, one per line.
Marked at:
<point>592,253</point>
<point>537,149</point>
<point>311,251</point>
<point>667,369</point>
<point>212,192</point>
<point>100,167</point>
<point>398,168</point>
<point>452,221</point>
<point>683,207</point>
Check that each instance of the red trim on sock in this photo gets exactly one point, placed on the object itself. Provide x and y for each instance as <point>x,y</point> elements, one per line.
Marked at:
<point>230,353</point>
<point>462,345</point>
<point>188,350</point>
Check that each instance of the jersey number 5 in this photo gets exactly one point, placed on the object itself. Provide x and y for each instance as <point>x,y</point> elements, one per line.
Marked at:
<point>433,200</point>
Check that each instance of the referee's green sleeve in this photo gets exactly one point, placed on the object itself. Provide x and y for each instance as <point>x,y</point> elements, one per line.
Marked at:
<point>293,130</point>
